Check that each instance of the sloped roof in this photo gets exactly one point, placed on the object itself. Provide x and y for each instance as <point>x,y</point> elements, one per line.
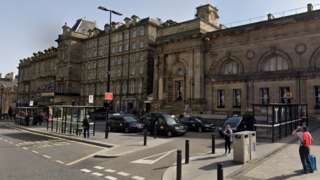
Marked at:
<point>83,26</point>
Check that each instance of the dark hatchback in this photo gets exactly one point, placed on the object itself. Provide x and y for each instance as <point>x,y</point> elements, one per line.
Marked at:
<point>163,124</point>
<point>125,123</point>
<point>238,123</point>
<point>197,124</point>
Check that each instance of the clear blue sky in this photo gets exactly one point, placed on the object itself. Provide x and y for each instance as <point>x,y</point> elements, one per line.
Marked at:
<point>32,25</point>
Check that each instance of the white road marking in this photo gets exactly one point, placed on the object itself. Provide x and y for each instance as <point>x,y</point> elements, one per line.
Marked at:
<point>111,178</point>
<point>123,173</point>
<point>46,156</point>
<point>110,170</point>
<point>36,152</point>
<point>138,178</point>
<point>147,160</point>
<point>97,174</point>
<point>99,167</point>
<point>25,148</point>
<point>85,170</point>
<point>83,158</point>
<point>60,162</point>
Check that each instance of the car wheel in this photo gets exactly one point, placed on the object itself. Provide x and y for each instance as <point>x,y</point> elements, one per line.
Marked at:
<point>200,129</point>
<point>169,134</point>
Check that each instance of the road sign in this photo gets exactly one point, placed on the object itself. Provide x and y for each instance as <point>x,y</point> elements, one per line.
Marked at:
<point>91,99</point>
<point>31,103</point>
<point>108,96</point>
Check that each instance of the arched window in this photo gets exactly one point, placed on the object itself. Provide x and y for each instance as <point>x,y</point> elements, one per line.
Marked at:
<point>231,68</point>
<point>275,63</point>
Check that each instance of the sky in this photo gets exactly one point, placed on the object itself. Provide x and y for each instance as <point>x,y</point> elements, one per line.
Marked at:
<point>29,26</point>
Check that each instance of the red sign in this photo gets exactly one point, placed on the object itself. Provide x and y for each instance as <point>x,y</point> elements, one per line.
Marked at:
<point>108,96</point>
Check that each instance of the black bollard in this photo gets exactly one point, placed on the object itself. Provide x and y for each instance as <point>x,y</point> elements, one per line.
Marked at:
<point>145,133</point>
<point>213,142</point>
<point>187,155</point>
<point>179,165</point>
<point>220,171</point>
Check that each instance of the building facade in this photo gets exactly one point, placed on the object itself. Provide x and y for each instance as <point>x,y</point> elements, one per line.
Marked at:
<point>77,68</point>
<point>194,66</point>
<point>227,70</point>
<point>8,93</point>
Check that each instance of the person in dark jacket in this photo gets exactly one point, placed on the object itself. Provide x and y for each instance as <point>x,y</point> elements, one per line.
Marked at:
<point>86,126</point>
<point>227,138</point>
<point>10,113</point>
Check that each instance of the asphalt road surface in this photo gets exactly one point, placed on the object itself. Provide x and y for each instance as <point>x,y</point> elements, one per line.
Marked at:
<point>28,156</point>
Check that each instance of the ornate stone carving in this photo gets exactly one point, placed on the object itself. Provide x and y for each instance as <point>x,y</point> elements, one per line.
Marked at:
<point>250,54</point>
<point>300,48</point>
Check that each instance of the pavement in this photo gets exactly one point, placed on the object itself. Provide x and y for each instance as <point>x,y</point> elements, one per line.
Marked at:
<point>273,161</point>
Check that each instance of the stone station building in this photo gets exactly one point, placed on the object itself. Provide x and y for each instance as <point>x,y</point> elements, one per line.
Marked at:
<point>196,66</point>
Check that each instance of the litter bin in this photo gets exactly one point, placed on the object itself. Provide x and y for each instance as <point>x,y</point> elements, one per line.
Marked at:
<point>244,146</point>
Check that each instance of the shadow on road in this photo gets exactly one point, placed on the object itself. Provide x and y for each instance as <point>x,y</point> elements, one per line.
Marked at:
<point>27,137</point>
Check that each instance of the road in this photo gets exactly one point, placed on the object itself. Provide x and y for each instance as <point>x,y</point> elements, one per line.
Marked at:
<point>33,156</point>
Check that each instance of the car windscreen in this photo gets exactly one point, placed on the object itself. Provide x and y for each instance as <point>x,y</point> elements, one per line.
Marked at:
<point>169,119</point>
<point>233,121</point>
<point>130,119</point>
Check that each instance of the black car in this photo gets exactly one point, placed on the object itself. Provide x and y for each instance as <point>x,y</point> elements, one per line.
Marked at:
<point>238,123</point>
<point>99,114</point>
<point>124,123</point>
<point>163,124</point>
<point>197,124</point>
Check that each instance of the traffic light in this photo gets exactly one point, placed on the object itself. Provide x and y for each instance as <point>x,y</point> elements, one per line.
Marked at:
<point>108,105</point>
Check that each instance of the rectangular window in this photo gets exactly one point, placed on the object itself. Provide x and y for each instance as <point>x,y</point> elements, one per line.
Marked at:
<point>141,32</point>
<point>141,45</point>
<point>317,96</point>
<point>236,98</point>
<point>285,95</point>
<point>220,97</point>
<point>264,96</point>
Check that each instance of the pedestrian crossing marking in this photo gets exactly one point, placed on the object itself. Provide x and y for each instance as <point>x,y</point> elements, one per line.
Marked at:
<point>110,170</point>
<point>85,170</point>
<point>97,174</point>
<point>138,178</point>
<point>99,167</point>
<point>46,156</point>
<point>111,178</point>
<point>36,152</point>
<point>153,158</point>
<point>123,173</point>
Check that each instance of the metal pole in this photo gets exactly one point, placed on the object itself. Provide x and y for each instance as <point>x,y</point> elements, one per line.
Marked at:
<point>213,142</point>
<point>220,171</point>
<point>187,152</point>
<point>179,165</point>
<point>108,74</point>
<point>145,137</point>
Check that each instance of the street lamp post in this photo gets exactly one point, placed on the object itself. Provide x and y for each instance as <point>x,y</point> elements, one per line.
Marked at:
<point>109,62</point>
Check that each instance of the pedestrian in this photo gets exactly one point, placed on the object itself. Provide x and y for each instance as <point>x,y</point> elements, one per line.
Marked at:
<point>227,138</point>
<point>305,140</point>
<point>10,113</point>
<point>86,126</point>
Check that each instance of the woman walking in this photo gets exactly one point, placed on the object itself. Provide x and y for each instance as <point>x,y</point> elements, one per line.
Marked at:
<point>227,138</point>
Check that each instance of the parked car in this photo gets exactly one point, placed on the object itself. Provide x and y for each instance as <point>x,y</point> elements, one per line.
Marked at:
<point>197,124</point>
<point>99,114</point>
<point>238,123</point>
<point>125,123</point>
<point>163,124</point>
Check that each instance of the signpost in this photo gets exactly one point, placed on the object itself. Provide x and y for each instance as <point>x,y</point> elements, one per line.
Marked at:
<point>91,99</point>
<point>108,97</point>
<point>31,103</point>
